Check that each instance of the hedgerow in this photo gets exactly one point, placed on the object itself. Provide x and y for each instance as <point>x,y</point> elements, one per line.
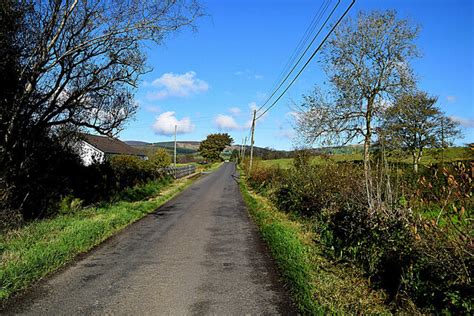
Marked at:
<point>415,242</point>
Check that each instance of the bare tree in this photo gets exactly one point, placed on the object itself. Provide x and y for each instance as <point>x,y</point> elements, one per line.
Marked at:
<point>367,62</point>
<point>81,59</point>
<point>74,64</point>
<point>414,123</point>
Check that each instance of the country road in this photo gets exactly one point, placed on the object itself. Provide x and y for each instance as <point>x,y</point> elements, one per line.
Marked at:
<point>199,253</point>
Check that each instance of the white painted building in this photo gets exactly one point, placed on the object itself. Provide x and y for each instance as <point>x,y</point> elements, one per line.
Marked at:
<point>94,148</point>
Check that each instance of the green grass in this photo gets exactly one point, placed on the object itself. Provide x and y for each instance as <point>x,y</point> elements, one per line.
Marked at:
<point>318,285</point>
<point>431,156</point>
<point>31,252</point>
<point>209,167</point>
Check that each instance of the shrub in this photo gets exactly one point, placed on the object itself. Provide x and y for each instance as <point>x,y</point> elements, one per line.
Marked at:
<point>415,242</point>
<point>160,159</point>
<point>312,189</point>
<point>263,177</point>
<point>441,275</point>
<point>69,204</point>
<point>131,170</point>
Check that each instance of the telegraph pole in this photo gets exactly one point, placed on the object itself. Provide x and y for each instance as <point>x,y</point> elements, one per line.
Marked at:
<point>251,141</point>
<point>175,128</point>
<point>442,141</point>
<point>243,150</point>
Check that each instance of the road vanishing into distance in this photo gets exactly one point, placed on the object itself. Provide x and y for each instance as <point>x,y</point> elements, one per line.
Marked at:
<point>199,253</point>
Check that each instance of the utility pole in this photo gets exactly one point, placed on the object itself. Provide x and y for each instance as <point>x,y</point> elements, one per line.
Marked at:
<point>175,128</point>
<point>442,141</point>
<point>243,150</point>
<point>251,141</point>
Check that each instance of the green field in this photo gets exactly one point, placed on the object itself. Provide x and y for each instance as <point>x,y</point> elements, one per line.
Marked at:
<point>431,156</point>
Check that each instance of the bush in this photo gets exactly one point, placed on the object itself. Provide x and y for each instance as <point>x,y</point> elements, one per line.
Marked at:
<point>106,181</point>
<point>160,159</point>
<point>262,178</point>
<point>313,189</point>
<point>59,183</point>
<point>69,204</point>
<point>131,170</point>
<point>418,247</point>
<point>34,178</point>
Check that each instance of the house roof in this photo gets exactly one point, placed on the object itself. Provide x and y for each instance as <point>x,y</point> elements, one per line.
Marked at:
<point>110,145</point>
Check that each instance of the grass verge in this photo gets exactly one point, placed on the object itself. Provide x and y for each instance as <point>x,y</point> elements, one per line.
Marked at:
<point>31,252</point>
<point>318,285</point>
<point>209,167</point>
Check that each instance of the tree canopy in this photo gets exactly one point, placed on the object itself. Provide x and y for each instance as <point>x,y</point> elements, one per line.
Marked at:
<point>367,62</point>
<point>414,123</point>
<point>213,145</point>
<point>69,66</point>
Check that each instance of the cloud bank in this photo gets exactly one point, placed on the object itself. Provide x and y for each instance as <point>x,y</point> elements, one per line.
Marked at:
<point>226,122</point>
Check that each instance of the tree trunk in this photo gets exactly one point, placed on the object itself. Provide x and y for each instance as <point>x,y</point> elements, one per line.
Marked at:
<point>367,170</point>
<point>367,140</point>
<point>416,160</point>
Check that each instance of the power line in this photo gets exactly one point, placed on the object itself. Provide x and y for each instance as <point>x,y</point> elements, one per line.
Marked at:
<point>304,39</point>
<point>308,61</point>
<point>301,56</point>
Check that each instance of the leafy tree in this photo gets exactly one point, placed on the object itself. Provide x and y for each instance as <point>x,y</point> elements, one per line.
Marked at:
<point>69,65</point>
<point>414,123</point>
<point>213,145</point>
<point>367,62</point>
<point>235,155</point>
<point>160,158</point>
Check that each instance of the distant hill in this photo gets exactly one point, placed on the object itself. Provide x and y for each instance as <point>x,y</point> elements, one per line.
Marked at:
<point>182,147</point>
<point>191,147</point>
<point>136,143</point>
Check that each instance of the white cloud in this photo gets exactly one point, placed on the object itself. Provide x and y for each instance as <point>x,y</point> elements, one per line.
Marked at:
<point>226,122</point>
<point>249,74</point>
<point>165,123</point>
<point>464,122</point>
<point>235,111</point>
<point>153,109</point>
<point>286,133</point>
<point>451,98</point>
<point>253,106</point>
<point>176,85</point>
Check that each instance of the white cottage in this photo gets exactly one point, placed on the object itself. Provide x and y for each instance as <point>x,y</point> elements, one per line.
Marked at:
<point>94,148</point>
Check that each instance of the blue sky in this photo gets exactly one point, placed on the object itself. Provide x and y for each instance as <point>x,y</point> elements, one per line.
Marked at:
<point>208,81</point>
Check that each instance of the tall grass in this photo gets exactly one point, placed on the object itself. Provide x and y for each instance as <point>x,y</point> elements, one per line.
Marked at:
<point>415,243</point>
<point>318,286</point>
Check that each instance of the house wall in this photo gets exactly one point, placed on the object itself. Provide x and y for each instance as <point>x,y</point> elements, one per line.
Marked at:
<point>90,154</point>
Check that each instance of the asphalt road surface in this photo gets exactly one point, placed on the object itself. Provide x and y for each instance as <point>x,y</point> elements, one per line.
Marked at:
<point>199,253</point>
